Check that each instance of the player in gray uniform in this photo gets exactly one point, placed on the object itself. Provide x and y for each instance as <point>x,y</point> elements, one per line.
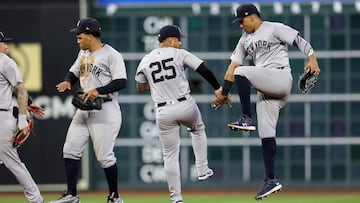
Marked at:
<point>267,44</point>
<point>10,79</point>
<point>163,71</point>
<point>102,72</point>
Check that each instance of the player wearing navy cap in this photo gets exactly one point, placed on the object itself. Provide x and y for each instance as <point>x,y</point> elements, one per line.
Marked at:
<point>267,44</point>
<point>102,73</point>
<point>163,71</point>
<point>11,120</point>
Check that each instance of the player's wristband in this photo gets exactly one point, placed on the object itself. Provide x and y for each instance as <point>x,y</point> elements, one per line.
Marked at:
<point>226,87</point>
<point>22,121</point>
<point>311,52</point>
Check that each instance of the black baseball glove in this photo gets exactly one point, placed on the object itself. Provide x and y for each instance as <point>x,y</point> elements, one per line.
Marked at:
<point>307,81</point>
<point>89,104</point>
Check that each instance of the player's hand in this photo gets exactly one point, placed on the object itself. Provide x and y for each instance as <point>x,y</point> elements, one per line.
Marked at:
<point>313,65</point>
<point>91,94</point>
<point>38,111</point>
<point>221,100</point>
<point>218,92</point>
<point>65,85</point>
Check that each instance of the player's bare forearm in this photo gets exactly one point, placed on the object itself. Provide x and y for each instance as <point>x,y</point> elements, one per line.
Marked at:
<point>229,75</point>
<point>142,87</point>
<point>22,97</point>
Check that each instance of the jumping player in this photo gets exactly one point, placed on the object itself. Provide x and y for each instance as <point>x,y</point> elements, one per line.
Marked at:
<point>10,79</point>
<point>101,70</point>
<point>267,44</point>
<point>163,71</point>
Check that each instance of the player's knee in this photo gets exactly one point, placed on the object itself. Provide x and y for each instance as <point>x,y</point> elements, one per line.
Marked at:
<point>197,129</point>
<point>71,156</point>
<point>241,71</point>
<point>106,163</point>
<point>68,153</point>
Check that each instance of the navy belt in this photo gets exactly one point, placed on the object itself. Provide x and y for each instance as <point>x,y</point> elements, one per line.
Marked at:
<point>164,103</point>
<point>105,99</point>
<point>4,109</point>
<point>280,68</point>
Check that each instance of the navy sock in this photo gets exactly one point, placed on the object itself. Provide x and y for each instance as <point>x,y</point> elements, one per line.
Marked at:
<point>244,87</point>
<point>72,168</point>
<point>111,174</point>
<point>269,152</point>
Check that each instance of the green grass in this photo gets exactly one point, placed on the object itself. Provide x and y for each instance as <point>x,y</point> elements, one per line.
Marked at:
<point>202,197</point>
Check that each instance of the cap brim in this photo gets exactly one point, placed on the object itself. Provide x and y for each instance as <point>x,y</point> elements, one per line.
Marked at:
<point>6,40</point>
<point>74,30</point>
<point>236,20</point>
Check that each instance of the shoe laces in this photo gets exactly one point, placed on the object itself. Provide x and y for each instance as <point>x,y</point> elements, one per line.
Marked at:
<point>269,182</point>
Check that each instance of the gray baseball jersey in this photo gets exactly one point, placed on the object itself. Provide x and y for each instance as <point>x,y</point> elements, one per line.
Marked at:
<point>271,75</point>
<point>96,69</point>
<point>99,68</point>
<point>268,46</point>
<point>164,70</point>
<point>9,78</point>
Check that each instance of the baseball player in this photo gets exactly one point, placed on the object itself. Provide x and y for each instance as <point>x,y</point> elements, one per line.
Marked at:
<point>10,79</point>
<point>267,44</point>
<point>163,71</point>
<point>102,73</point>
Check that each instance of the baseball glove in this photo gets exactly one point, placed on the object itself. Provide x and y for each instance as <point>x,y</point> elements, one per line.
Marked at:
<point>307,81</point>
<point>89,104</point>
<point>20,137</point>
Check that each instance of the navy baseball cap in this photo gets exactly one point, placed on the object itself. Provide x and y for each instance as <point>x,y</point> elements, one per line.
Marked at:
<point>87,25</point>
<point>243,11</point>
<point>4,39</point>
<point>169,31</point>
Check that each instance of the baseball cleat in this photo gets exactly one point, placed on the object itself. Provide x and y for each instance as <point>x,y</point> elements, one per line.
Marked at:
<point>270,186</point>
<point>67,198</point>
<point>114,199</point>
<point>207,175</point>
<point>244,123</point>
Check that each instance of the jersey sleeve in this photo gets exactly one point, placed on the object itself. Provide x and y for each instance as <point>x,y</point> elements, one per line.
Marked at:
<point>12,73</point>
<point>190,60</point>
<point>285,33</point>
<point>239,52</point>
<point>140,76</point>
<point>75,68</point>
<point>117,66</point>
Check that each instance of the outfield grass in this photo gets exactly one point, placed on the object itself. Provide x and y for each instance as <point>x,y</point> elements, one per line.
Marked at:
<point>282,197</point>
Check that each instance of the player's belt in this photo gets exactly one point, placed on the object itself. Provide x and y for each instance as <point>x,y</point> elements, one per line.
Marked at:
<point>281,68</point>
<point>164,103</point>
<point>4,109</point>
<point>105,99</point>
